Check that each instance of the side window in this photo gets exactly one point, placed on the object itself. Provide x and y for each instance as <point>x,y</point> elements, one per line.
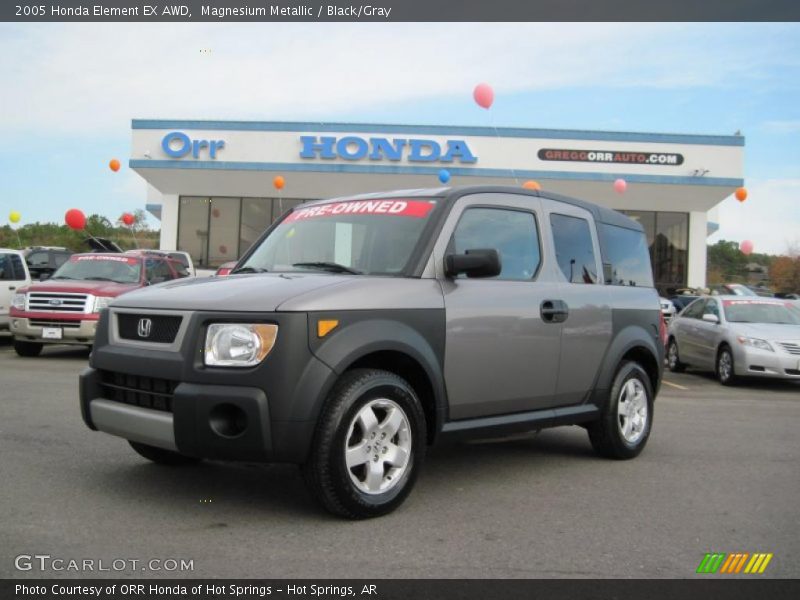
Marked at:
<point>181,270</point>
<point>162,271</point>
<point>711,308</point>
<point>628,256</point>
<point>513,233</point>
<point>6,271</point>
<point>17,268</point>
<point>574,250</point>
<point>61,258</point>
<point>38,259</point>
<point>695,309</point>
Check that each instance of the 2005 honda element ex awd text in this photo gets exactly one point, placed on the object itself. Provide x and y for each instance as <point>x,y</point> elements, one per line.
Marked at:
<point>357,331</point>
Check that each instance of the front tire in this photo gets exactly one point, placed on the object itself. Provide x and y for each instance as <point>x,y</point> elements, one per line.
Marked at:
<point>28,349</point>
<point>673,358</point>
<point>368,447</point>
<point>161,456</point>
<point>624,427</point>
<point>725,371</point>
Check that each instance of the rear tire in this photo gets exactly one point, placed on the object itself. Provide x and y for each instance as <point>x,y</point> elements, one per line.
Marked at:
<point>726,374</point>
<point>624,427</point>
<point>368,447</point>
<point>28,349</point>
<point>673,358</point>
<point>161,456</point>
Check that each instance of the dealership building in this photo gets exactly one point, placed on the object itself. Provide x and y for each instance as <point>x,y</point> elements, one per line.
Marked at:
<point>211,183</point>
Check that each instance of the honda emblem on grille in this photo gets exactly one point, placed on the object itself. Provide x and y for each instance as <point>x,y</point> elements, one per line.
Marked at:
<point>55,302</point>
<point>145,325</point>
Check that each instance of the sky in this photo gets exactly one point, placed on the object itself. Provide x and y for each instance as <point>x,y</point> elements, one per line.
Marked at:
<point>68,93</point>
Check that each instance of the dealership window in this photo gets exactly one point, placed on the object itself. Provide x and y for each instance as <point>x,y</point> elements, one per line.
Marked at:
<point>215,230</point>
<point>668,239</point>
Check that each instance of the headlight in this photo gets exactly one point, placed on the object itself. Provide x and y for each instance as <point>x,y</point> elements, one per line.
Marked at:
<point>755,343</point>
<point>18,301</point>
<point>101,302</point>
<point>238,344</point>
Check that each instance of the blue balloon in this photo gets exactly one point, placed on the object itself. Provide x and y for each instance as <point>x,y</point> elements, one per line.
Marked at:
<point>444,175</point>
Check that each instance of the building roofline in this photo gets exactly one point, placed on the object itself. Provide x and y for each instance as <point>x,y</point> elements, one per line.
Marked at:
<point>508,132</point>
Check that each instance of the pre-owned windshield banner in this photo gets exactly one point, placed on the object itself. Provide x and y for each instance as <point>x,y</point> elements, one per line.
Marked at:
<point>418,209</point>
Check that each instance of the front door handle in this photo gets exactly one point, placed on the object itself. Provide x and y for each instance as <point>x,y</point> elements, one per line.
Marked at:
<point>12,287</point>
<point>554,311</point>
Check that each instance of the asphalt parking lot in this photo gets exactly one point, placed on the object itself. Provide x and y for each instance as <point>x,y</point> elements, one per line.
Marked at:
<point>720,474</point>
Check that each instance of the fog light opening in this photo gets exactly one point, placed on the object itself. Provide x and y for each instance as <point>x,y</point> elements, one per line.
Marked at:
<point>227,420</point>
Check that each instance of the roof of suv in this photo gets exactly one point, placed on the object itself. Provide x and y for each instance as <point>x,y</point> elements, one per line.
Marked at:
<point>451,194</point>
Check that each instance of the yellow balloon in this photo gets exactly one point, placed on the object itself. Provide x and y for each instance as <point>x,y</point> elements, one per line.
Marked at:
<point>14,216</point>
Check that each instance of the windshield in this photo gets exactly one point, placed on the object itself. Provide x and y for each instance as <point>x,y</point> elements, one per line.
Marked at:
<point>90,267</point>
<point>753,311</point>
<point>371,237</point>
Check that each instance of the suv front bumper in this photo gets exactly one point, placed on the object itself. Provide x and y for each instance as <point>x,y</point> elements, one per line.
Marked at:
<point>72,332</point>
<point>209,421</point>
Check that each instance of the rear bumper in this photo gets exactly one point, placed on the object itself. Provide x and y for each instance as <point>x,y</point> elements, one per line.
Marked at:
<point>73,332</point>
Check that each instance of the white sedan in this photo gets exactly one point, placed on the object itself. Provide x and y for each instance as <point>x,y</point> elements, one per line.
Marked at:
<point>737,336</point>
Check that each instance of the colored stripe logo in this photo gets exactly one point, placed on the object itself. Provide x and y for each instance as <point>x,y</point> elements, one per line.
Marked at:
<point>734,563</point>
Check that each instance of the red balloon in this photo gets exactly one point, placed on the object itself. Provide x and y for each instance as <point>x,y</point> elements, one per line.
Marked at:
<point>128,219</point>
<point>75,219</point>
<point>223,249</point>
<point>483,95</point>
<point>620,185</point>
<point>746,247</point>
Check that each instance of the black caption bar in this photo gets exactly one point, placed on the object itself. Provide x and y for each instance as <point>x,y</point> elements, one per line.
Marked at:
<point>401,589</point>
<point>399,10</point>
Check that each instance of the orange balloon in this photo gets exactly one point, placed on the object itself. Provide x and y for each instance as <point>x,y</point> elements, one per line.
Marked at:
<point>741,194</point>
<point>278,182</point>
<point>113,165</point>
<point>532,185</point>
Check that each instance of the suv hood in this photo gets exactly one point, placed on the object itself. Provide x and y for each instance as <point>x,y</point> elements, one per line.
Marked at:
<point>98,288</point>
<point>242,293</point>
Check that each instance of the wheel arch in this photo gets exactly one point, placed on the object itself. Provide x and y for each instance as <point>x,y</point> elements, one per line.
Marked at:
<point>632,343</point>
<point>391,346</point>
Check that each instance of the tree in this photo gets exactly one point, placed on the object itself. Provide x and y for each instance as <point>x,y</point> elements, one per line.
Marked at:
<point>785,271</point>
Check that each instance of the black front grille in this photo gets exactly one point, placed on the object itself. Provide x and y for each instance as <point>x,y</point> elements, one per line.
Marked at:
<point>162,329</point>
<point>147,392</point>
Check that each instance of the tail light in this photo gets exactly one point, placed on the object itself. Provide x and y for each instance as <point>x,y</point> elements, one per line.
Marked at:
<point>662,328</point>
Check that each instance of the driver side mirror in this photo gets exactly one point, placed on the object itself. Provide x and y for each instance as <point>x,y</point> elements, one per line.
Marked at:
<point>155,280</point>
<point>709,318</point>
<point>484,262</point>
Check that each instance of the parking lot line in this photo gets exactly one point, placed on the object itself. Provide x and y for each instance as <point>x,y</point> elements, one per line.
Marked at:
<point>675,385</point>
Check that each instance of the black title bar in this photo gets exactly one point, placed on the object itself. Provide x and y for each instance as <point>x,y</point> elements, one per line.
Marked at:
<point>152,11</point>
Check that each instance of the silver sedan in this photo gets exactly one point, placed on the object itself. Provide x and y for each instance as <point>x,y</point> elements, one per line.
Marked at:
<point>737,336</point>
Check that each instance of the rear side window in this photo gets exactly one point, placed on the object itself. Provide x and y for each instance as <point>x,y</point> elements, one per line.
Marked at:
<point>11,268</point>
<point>61,259</point>
<point>627,255</point>
<point>512,233</point>
<point>695,309</point>
<point>574,250</point>
<point>38,259</point>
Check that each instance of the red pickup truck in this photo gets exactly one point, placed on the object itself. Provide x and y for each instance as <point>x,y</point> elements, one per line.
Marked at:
<point>65,308</point>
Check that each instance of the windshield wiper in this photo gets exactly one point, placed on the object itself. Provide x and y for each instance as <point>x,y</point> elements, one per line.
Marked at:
<point>249,270</point>
<point>99,279</point>
<point>62,277</point>
<point>328,266</point>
